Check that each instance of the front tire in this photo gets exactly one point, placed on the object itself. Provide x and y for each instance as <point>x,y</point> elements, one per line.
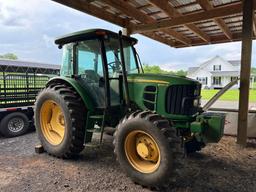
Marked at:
<point>147,148</point>
<point>60,120</point>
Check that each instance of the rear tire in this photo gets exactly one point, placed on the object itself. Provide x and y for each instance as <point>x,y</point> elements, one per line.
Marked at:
<point>73,113</point>
<point>162,135</point>
<point>14,124</point>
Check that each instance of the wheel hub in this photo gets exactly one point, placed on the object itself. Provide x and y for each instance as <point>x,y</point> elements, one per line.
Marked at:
<point>146,148</point>
<point>52,122</point>
<point>16,124</point>
<point>61,119</point>
<point>142,151</point>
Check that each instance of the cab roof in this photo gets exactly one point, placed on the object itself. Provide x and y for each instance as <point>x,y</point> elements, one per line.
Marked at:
<point>90,34</point>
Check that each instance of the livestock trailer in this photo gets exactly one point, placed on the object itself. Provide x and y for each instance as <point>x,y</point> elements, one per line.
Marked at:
<point>19,84</point>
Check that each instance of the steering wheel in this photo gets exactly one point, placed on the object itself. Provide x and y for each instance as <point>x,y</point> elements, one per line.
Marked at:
<point>114,66</point>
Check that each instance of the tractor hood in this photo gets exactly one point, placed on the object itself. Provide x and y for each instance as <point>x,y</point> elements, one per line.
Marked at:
<point>169,95</point>
<point>160,79</point>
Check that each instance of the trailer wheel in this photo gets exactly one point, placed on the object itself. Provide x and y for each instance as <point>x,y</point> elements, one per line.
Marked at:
<point>148,149</point>
<point>60,120</point>
<point>14,124</point>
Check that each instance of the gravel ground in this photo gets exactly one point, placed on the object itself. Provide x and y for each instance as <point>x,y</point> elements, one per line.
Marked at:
<point>219,167</point>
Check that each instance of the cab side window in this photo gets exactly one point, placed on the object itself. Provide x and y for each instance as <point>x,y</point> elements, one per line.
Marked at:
<point>89,60</point>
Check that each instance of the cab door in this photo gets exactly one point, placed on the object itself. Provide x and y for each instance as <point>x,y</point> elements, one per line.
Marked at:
<point>114,77</point>
<point>114,66</point>
<point>90,71</point>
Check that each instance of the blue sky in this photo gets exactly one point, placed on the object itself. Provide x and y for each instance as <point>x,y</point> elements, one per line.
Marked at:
<point>28,29</point>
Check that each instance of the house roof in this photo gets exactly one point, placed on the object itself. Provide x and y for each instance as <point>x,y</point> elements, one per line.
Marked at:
<point>177,23</point>
<point>235,62</point>
<point>202,65</point>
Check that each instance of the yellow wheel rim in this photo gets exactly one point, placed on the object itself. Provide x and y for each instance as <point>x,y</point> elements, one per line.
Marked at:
<point>52,122</point>
<point>142,151</point>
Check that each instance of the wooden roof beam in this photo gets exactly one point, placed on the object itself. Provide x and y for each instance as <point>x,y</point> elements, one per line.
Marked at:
<point>154,13</point>
<point>172,12</point>
<point>219,12</point>
<point>254,26</point>
<point>214,40</point>
<point>144,6</point>
<point>158,38</point>
<point>94,11</point>
<point>206,5</point>
<point>131,11</point>
<point>185,5</point>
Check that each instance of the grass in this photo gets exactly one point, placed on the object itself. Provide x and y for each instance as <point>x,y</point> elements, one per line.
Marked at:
<point>254,85</point>
<point>230,95</point>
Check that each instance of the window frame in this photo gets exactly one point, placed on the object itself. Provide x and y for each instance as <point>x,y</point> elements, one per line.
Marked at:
<point>216,67</point>
<point>218,78</point>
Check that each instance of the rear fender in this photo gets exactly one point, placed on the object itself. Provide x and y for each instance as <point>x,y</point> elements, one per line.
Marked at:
<point>81,91</point>
<point>85,98</point>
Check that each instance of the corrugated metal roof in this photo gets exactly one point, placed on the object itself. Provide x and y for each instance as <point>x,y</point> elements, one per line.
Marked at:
<point>136,13</point>
<point>18,63</point>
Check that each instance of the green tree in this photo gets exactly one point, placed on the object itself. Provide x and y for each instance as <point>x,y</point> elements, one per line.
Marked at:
<point>9,56</point>
<point>181,73</point>
<point>253,70</point>
<point>157,70</point>
<point>152,69</point>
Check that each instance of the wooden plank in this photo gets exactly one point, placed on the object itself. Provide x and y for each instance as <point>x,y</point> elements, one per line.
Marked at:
<point>224,28</point>
<point>144,6</point>
<point>131,11</point>
<point>198,32</point>
<point>214,40</point>
<point>218,12</point>
<point>158,38</point>
<point>206,5</point>
<point>172,12</point>
<point>254,26</point>
<point>245,73</point>
<point>94,11</point>
<point>177,36</point>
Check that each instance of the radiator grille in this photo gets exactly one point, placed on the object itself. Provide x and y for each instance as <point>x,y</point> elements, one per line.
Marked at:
<point>179,99</point>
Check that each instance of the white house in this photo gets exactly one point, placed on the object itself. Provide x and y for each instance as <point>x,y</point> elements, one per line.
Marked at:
<point>216,73</point>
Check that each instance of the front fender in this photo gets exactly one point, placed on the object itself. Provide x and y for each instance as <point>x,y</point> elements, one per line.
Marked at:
<point>80,90</point>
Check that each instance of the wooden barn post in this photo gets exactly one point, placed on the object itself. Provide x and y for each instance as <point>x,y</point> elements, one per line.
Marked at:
<point>246,54</point>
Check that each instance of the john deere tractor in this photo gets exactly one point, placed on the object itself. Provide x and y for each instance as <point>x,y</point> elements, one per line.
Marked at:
<point>102,84</point>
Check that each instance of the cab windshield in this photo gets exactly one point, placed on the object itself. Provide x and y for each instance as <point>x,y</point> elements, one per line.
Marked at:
<point>114,57</point>
<point>90,57</point>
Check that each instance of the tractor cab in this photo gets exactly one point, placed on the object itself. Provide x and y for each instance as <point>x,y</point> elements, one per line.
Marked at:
<point>94,59</point>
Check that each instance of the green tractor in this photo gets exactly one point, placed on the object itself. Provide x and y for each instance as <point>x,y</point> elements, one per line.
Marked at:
<point>102,84</point>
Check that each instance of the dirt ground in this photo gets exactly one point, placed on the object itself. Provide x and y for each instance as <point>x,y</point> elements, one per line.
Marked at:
<point>219,167</point>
